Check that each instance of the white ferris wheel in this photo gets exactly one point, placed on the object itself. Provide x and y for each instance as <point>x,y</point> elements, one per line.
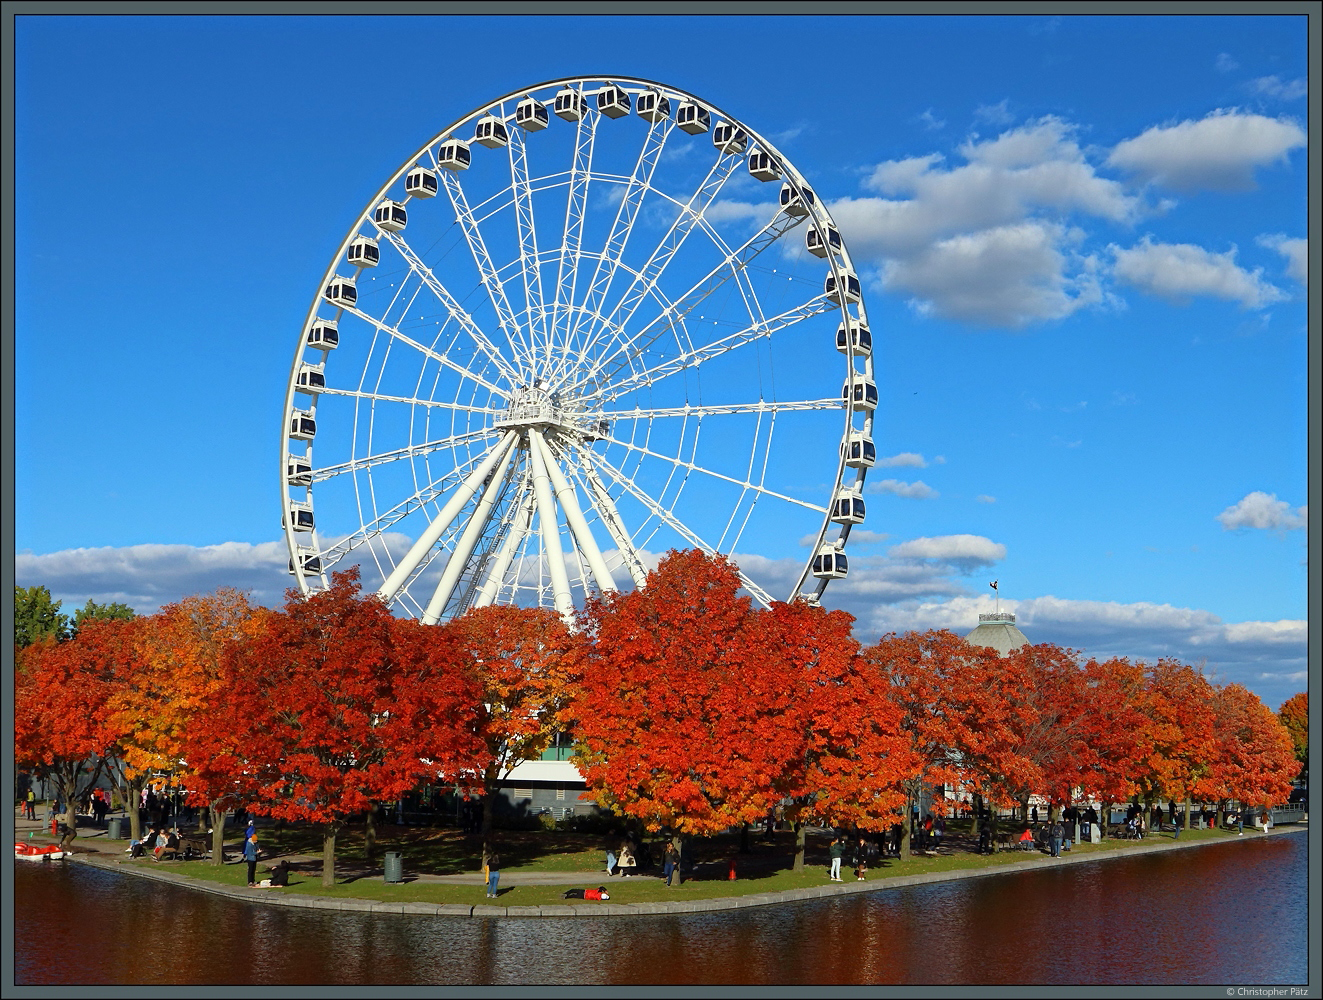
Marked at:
<point>591,321</point>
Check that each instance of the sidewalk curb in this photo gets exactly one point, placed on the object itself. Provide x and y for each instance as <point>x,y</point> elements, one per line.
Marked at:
<point>663,907</point>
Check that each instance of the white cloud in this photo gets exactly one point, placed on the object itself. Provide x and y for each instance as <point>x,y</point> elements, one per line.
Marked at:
<point>994,114</point>
<point>984,498</point>
<point>966,551</point>
<point>1264,511</point>
<point>862,536</point>
<point>1226,63</point>
<point>931,122</point>
<point>1296,252</point>
<point>1219,152</point>
<point>904,458</point>
<point>988,241</point>
<point>1180,270</point>
<point>727,210</point>
<point>1275,87</point>
<point>918,489</point>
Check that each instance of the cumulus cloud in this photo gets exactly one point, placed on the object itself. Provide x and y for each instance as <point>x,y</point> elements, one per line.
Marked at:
<point>984,498</point>
<point>1225,63</point>
<point>1296,252</point>
<point>1219,152</point>
<point>994,114</point>
<point>1279,89</point>
<point>931,122</point>
<point>988,241</point>
<point>964,551</point>
<point>918,489</point>
<point>727,210</point>
<point>1264,511</point>
<point>904,458</point>
<point>1181,270</point>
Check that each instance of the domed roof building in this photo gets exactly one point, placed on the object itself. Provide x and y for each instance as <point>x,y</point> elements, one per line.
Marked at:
<point>997,630</point>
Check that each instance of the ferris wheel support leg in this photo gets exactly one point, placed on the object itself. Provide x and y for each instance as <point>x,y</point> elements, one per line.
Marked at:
<point>518,532</point>
<point>569,503</point>
<point>550,529</point>
<point>449,512</point>
<point>467,541</point>
<point>614,526</point>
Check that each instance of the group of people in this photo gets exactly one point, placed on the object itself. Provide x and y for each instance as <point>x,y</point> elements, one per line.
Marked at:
<point>858,853</point>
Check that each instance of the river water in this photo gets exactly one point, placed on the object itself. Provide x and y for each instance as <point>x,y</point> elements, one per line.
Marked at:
<point>1227,914</point>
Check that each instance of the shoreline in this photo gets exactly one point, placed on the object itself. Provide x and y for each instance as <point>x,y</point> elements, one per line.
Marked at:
<point>608,909</point>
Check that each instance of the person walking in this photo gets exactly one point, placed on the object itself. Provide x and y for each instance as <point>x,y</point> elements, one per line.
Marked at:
<point>670,861</point>
<point>836,851</point>
<point>250,855</point>
<point>31,805</point>
<point>493,874</point>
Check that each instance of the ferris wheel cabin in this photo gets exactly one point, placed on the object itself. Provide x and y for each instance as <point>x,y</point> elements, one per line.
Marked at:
<point>390,216</point>
<point>692,119</point>
<point>491,132</point>
<point>729,138</point>
<point>531,115</point>
<point>302,425</point>
<point>856,339</point>
<point>850,284</point>
<point>454,155</point>
<point>298,470</point>
<point>800,203</point>
<point>613,102</point>
<point>860,392</point>
<point>816,244</point>
<point>569,105</point>
<point>310,563</point>
<point>830,564</point>
<point>311,378</point>
<point>763,167</point>
<point>848,507</point>
<point>363,252</point>
<point>324,335</point>
<point>653,107</point>
<point>859,451</point>
<point>300,516</point>
<point>421,183</point>
<point>341,292</point>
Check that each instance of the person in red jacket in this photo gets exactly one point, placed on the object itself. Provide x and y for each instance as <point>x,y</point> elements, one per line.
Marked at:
<point>598,893</point>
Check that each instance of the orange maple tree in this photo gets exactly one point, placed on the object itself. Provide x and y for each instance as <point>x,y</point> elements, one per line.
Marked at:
<point>1179,706</point>
<point>1114,753</point>
<point>1255,760</point>
<point>1294,714</point>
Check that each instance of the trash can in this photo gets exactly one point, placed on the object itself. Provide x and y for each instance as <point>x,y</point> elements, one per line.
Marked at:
<point>114,828</point>
<point>394,866</point>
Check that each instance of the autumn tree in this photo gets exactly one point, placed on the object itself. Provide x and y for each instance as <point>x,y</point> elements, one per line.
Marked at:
<point>1111,759</point>
<point>1179,705</point>
<point>332,705</point>
<point>62,724</point>
<point>1255,759</point>
<point>1294,714</point>
<point>849,756</point>
<point>678,702</point>
<point>523,660</point>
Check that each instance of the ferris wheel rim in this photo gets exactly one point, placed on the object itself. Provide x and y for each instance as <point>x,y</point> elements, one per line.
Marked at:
<point>837,262</point>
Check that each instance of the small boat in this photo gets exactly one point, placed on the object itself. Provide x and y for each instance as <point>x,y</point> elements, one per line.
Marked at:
<point>47,852</point>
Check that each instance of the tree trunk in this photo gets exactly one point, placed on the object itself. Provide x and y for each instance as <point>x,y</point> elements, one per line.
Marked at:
<point>370,833</point>
<point>133,795</point>
<point>744,838</point>
<point>328,853</point>
<point>678,842</point>
<point>1221,809</point>
<point>1024,809</point>
<point>907,825</point>
<point>800,838</point>
<point>217,834</point>
<point>487,804</point>
<point>1104,820</point>
<point>1186,825</point>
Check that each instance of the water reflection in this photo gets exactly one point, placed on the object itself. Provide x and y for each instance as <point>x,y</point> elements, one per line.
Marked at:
<point>1229,913</point>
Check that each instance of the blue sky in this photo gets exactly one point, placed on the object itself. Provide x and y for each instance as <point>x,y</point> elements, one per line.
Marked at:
<point>1082,242</point>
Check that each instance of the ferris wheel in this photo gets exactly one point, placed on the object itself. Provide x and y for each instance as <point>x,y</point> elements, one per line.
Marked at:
<point>591,321</point>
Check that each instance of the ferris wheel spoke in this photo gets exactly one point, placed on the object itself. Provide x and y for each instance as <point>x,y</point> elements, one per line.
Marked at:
<point>731,267</point>
<point>378,397</point>
<point>491,279</point>
<point>396,454</point>
<point>680,463</point>
<point>383,522</point>
<point>717,409</point>
<point>515,537</point>
<point>567,498</point>
<point>687,215</point>
<point>461,496</point>
<point>608,515</point>
<point>549,528</point>
<point>662,514</point>
<point>699,355</point>
<point>468,540</point>
<point>571,248</point>
<point>451,304</point>
<point>441,359</point>
<point>528,255</point>
<point>638,184</point>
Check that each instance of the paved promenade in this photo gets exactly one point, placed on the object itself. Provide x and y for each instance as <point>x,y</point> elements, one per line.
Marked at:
<point>96,850</point>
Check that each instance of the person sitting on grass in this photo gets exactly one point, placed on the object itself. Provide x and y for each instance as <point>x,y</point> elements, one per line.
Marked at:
<point>279,876</point>
<point>598,893</point>
<point>1026,839</point>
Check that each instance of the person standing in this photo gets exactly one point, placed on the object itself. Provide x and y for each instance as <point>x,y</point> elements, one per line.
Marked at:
<point>860,858</point>
<point>493,874</point>
<point>670,861</point>
<point>31,805</point>
<point>250,855</point>
<point>836,851</point>
<point>939,831</point>
<point>1055,834</point>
